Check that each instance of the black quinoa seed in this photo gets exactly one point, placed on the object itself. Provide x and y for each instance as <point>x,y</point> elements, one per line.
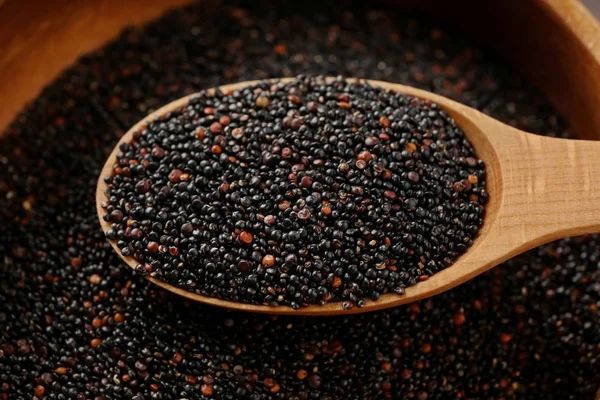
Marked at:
<point>526,330</point>
<point>379,193</point>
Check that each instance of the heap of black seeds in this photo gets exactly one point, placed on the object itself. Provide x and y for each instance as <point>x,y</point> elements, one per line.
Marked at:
<point>297,193</point>
<point>75,323</point>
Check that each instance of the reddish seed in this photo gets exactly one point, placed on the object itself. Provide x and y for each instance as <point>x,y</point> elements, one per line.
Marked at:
<point>343,105</point>
<point>224,187</point>
<point>473,179</point>
<point>466,185</point>
<point>158,152</point>
<point>225,120</point>
<point>207,390</point>
<point>294,99</point>
<point>365,156</point>
<point>215,127</point>
<point>60,371</point>
<point>175,175</point>
<point>119,318</point>
<point>200,133</point>
<point>95,342</point>
<point>459,319</point>
<point>269,383</point>
<point>426,348</point>
<point>337,281</point>
<point>76,262</point>
<point>343,97</point>
<point>275,388</point>
<point>284,205</point>
<point>458,187</point>
<point>306,181</point>
<point>389,194</point>
<point>301,374</point>
<point>268,260</point>
<point>334,346</point>
<point>39,391</point>
<point>280,49</point>
<point>95,279</point>
<point>386,367</point>
<point>411,147</point>
<point>152,247</point>
<point>384,122</point>
<point>325,210</point>
<point>209,110</point>
<point>406,373</point>
<point>136,233</point>
<point>97,323</point>
<point>286,152</point>
<point>216,149</point>
<point>505,338</point>
<point>246,237</point>
<point>178,357</point>
<point>244,265</point>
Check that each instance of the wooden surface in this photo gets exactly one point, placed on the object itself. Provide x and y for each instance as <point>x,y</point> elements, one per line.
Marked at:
<point>540,188</point>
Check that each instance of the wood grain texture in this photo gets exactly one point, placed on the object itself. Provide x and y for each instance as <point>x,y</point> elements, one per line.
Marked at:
<point>541,189</point>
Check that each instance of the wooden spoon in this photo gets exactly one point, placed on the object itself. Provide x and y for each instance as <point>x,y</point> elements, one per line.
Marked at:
<point>540,188</point>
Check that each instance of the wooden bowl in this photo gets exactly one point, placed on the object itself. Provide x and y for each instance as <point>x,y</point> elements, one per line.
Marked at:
<point>554,43</point>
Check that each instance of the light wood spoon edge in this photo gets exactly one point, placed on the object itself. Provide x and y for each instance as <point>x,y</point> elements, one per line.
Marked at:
<point>541,189</point>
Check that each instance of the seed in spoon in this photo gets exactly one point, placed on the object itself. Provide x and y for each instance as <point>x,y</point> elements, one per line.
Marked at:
<point>342,201</point>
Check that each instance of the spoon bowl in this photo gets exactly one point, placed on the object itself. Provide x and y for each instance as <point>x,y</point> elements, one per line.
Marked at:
<point>540,189</point>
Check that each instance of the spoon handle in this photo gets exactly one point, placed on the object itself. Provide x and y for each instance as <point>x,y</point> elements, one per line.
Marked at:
<point>550,187</point>
<point>544,189</point>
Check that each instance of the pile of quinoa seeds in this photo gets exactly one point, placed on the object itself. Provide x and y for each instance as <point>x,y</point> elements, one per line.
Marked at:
<point>296,193</point>
<point>76,323</point>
